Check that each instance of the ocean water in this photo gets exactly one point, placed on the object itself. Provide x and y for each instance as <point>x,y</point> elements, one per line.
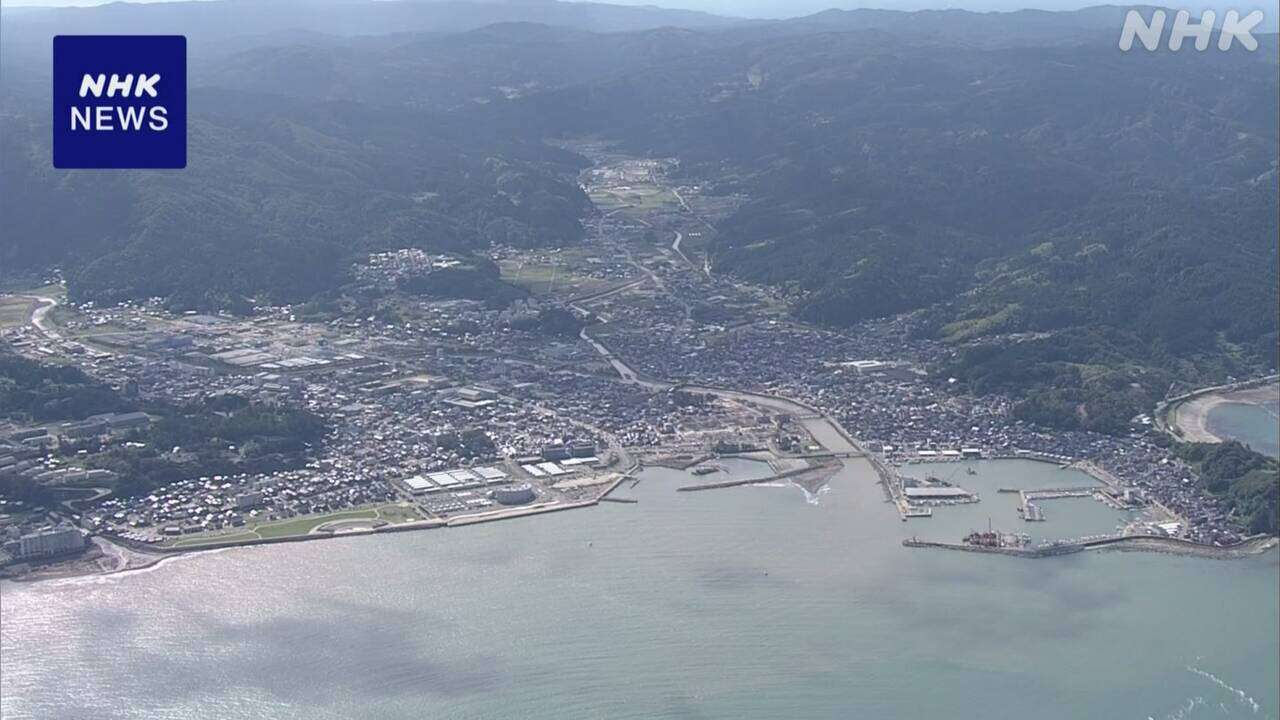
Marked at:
<point>749,602</point>
<point>1257,426</point>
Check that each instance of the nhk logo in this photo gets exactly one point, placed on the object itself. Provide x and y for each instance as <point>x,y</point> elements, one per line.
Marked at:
<point>1234,27</point>
<point>119,101</point>
<point>100,117</point>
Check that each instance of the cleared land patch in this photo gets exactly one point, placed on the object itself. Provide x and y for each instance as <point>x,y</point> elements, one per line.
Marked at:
<point>15,311</point>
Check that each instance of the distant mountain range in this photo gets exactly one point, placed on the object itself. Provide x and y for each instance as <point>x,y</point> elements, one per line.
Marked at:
<point>212,24</point>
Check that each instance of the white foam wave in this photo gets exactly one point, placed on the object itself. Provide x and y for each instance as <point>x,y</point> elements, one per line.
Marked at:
<point>113,576</point>
<point>1240,695</point>
<point>813,498</point>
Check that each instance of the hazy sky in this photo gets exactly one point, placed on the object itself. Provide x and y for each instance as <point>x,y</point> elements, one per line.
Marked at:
<point>793,8</point>
<point>757,8</point>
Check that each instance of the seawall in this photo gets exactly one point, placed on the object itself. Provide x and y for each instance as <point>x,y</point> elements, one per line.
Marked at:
<point>1248,547</point>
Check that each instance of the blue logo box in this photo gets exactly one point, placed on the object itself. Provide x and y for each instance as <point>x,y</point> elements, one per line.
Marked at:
<point>119,101</point>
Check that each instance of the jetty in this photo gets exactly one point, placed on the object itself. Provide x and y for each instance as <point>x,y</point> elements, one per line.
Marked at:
<point>747,481</point>
<point>1251,546</point>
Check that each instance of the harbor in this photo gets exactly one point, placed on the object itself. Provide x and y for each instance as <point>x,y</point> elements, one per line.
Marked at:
<point>776,600</point>
<point>1052,502</point>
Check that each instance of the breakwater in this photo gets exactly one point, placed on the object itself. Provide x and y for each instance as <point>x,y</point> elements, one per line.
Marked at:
<point>1255,545</point>
<point>749,481</point>
<point>1248,547</point>
<point>1026,552</point>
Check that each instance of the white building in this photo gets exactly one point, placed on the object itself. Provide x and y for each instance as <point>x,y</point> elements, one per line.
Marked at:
<point>47,543</point>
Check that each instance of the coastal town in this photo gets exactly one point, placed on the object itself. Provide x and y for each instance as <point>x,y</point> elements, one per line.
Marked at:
<point>627,351</point>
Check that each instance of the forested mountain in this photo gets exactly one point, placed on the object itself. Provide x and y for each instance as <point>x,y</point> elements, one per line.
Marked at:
<point>1086,222</point>
<point>281,190</point>
<point>491,64</point>
<point>1112,215</point>
<point>277,196</point>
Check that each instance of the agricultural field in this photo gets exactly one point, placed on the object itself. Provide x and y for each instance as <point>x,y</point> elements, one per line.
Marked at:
<point>563,275</point>
<point>641,198</point>
<point>15,311</point>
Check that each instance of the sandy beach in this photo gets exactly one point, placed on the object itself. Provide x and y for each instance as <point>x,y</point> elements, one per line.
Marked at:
<point>1191,418</point>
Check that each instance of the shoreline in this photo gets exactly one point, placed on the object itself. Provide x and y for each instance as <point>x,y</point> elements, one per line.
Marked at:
<point>1250,547</point>
<point>1187,418</point>
<point>132,558</point>
<point>153,556</point>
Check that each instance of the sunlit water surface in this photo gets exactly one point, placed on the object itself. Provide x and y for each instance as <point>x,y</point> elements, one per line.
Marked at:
<point>751,602</point>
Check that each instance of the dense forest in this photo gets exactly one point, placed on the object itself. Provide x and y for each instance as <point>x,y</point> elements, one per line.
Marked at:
<point>279,196</point>
<point>1246,481</point>
<point>33,392</point>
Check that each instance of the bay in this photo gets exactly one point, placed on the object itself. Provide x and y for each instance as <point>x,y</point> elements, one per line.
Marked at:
<point>748,602</point>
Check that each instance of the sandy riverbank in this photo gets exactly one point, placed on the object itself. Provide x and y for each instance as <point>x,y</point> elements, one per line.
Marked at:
<point>1190,418</point>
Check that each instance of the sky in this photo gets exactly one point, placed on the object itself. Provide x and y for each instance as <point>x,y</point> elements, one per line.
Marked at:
<point>793,8</point>
<point>752,8</point>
